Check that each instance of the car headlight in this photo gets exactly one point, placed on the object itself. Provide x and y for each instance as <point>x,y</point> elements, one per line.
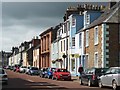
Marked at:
<point>98,77</point>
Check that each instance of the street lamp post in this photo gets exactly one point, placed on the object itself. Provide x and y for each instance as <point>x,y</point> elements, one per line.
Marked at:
<point>64,56</point>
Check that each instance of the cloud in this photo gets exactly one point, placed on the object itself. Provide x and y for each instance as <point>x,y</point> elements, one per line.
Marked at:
<point>22,10</point>
<point>14,35</point>
<point>23,20</point>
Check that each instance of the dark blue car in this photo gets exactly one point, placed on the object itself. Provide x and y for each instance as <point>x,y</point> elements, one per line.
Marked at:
<point>43,72</point>
<point>49,73</point>
<point>33,71</point>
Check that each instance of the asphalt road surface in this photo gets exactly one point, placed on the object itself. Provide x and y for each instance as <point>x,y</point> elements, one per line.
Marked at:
<point>23,81</point>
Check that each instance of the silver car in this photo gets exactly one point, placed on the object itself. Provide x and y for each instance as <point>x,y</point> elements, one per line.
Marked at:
<point>111,78</point>
<point>23,69</point>
<point>3,76</point>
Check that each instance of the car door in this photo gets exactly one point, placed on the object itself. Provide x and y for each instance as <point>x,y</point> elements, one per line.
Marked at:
<point>104,78</point>
<point>110,77</point>
<point>117,75</point>
<point>54,73</point>
<point>85,76</point>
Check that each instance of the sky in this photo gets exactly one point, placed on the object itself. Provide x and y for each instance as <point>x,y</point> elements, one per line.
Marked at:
<point>21,21</point>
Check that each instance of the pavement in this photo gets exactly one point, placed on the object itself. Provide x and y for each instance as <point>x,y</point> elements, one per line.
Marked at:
<point>75,78</point>
<point>19,81</point>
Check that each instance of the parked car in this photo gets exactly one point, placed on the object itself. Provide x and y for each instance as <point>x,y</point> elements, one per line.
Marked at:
<point>27,70</point>
<point>61,74</point>
<point>8,67</point>
<point>110,78</point>
<point>43,71</point>
<point>18,69</point>
<point>3,76</point>
<point>49,72</point>
<point>90,76</point>
<point>33,71</point>
<point>12,67</point>
<point>23,69</point>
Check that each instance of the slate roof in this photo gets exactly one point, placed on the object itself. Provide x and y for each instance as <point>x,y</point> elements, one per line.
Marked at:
<point>109,16</point>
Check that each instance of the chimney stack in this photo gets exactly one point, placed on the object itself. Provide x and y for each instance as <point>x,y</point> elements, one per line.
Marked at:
<point>112,3</point>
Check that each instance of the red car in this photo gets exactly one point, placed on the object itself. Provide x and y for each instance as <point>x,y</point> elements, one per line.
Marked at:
<point>17,69</point>
<point>61,74</point>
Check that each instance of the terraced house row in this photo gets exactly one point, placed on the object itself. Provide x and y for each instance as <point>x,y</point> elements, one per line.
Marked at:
<point>89,36</point>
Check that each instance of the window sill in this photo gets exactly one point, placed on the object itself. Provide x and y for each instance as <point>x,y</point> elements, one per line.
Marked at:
<point>87,46</point>
<point>95,44</point>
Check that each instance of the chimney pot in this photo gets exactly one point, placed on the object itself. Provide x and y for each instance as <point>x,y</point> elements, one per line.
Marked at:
<point>112,3</point>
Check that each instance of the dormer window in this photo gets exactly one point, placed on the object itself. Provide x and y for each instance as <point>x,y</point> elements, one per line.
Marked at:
<point>73,22</point>
<point>87,19</point>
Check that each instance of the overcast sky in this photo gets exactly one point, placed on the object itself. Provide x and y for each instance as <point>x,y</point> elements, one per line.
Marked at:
<point>21,21</point>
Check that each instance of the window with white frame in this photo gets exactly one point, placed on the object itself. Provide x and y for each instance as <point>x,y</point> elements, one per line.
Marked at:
<point>61,46</point>
<point>67,44</point>
<point>68,26</point>
<point>87,19</point>
<point>96,59</point>
<point>96,35</point>
<point>73,22</point>
<point>64,45</point>
<point>65,27</point>
<point>53,48</point>
<point>87,38</point>
<point>62,30</point>
<point>80,39</point>
<point>73,41</point>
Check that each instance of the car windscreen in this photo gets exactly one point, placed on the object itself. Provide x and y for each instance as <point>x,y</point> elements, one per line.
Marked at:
<point>2,71</point>
<point>52,69</point>
<point>118,71</point>
<point>100,70</point>
<point>62,70</point>
<point>24,67</point>
<point>34,68</point>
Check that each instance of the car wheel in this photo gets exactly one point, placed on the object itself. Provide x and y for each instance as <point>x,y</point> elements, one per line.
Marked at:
<point>81,82</point>
<point>56,78</point>
<point>42,76</point>
<point>48,77</point>
<point>52,77</point>
<point>89,83</point>
<point>28,73</point>
<point>45,76</point>
<point>114,85</point>
<point>100,84</point>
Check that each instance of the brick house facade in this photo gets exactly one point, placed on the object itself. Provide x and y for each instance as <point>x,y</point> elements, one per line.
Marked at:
<point>101,40</point>
<point>47,37</point>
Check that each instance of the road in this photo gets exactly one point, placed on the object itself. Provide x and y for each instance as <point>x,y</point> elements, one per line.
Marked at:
<point>23,81</point>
